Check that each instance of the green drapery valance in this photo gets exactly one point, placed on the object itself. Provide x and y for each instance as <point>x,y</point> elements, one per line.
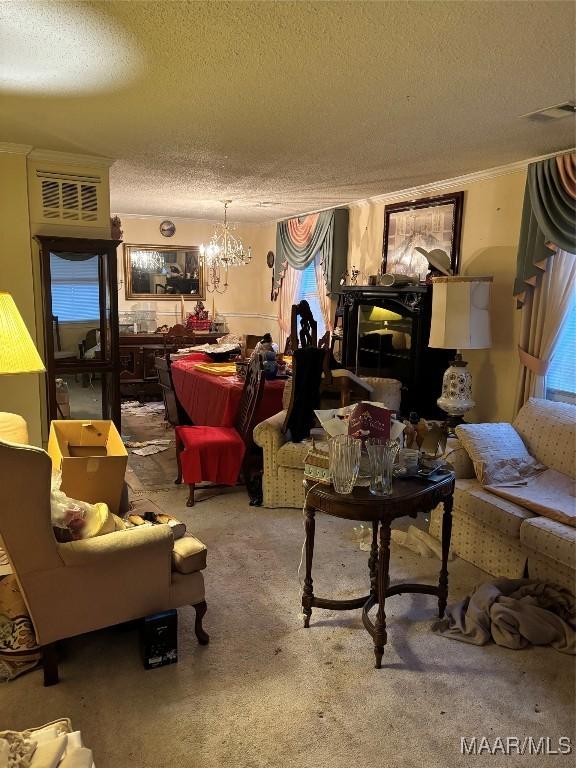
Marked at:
<point>548,218</point>
<point>300,240</point>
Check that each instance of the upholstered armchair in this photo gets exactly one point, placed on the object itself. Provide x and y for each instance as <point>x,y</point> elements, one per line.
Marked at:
<point>81,586</point>
<point>282,481</point>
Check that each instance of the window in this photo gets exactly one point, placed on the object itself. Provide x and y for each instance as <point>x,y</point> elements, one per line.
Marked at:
<point>561,376</point>
<point>75,289</point>
<point>309,290</point>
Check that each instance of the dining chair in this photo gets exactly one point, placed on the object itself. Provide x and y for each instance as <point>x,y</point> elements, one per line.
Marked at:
<point>220,454</point>
<point>307,334</point>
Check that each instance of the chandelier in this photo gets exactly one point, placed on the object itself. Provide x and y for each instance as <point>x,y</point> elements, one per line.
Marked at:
<point>147,261</point>
<point>223,251</point>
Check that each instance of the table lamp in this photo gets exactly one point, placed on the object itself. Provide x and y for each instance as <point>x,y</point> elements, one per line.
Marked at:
<point>17,355</point>
<point>460,320</point>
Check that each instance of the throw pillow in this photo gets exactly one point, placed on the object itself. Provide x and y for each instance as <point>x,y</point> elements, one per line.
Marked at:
<point>498,454</point>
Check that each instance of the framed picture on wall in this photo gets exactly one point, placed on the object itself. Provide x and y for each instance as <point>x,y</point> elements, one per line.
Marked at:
<point>428,223</point>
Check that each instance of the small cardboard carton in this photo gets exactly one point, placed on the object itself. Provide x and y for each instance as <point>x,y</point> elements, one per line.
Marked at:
<point>92,459</point>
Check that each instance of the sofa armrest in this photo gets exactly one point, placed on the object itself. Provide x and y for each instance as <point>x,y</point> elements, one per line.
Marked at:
<point>456,455</point>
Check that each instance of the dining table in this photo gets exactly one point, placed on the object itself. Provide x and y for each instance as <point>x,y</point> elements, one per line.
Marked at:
<point>211,400</point>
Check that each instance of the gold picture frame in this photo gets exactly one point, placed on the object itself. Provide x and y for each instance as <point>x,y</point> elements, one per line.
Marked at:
<point>163,273</point>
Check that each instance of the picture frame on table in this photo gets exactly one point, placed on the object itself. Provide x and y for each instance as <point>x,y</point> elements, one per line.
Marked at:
<point>428,223</point>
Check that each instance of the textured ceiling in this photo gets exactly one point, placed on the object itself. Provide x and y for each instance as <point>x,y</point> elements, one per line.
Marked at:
<point>304,105</point>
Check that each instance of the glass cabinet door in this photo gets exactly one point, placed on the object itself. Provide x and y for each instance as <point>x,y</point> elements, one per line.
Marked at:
<point>384,342</point>
<point>80,328</point>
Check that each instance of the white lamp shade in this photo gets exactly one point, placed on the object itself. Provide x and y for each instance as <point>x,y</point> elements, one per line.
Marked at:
<point>17,351</point>
<point>460,313</point>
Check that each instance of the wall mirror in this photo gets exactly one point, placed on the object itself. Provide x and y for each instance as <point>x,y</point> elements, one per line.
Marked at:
<point>160,272</point>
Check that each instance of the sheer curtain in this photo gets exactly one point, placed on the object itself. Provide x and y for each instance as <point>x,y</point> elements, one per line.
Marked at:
<point>543,313</point>
<point>323,297</point>
<point>287,296</point>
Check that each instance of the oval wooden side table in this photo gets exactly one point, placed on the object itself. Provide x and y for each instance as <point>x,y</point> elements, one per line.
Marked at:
<point>408,498</point>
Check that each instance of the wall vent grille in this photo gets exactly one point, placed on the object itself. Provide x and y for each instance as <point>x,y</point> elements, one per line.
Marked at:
<point>69,198</point>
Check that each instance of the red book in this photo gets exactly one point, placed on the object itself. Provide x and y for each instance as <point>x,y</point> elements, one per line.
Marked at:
<point>368,420</point>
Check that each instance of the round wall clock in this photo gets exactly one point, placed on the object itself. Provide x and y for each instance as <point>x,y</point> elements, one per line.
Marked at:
<point>167,228</point>
<point>270,259</point>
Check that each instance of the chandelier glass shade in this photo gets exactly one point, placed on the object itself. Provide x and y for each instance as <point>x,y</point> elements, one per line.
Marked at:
<point>223,251</point>
<point>147,261</point>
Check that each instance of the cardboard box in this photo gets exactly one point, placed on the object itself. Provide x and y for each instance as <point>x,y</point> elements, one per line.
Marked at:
<point>92,459</point>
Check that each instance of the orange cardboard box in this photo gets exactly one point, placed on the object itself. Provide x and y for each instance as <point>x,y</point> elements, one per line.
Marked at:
<point>92,459</point>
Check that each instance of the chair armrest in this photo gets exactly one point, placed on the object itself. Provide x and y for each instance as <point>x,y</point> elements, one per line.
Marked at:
<point>105,580</point>
<point>121,548</point>
<point>269,436</point>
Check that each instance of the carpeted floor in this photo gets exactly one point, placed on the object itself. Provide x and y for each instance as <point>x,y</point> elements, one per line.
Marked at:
<point>267,693</point>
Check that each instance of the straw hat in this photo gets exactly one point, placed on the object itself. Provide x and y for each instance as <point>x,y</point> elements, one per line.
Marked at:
<point>438,259</point>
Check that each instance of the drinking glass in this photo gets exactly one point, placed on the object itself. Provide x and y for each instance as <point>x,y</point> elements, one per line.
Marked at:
<point>344,462</point>
<point>381,453</point>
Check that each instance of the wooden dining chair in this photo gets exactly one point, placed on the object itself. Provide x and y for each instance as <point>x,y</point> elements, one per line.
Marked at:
<point>174,414</point>
<point>307,334</point>
<point>220,454</point>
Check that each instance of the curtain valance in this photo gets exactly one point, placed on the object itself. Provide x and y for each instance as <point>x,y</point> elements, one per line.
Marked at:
<point>548,218</point>
<point>299,240</point>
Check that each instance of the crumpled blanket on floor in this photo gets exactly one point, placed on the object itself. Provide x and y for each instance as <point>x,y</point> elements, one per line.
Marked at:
<point>514,613</point>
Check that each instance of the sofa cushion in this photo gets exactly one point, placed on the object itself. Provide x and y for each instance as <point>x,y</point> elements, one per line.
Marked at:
<point>549,432</point>
<point>293,454</point>
<point>497,452</point>
<point>489,510</point>
<point>551,539</point>
<point>188,555</point>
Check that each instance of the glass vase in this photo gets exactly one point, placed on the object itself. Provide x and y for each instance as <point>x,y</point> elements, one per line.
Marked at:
<point>381,454</point>
<point>344,462</point>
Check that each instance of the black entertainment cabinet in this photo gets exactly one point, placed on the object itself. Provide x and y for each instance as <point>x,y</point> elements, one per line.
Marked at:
<point>385,333</point>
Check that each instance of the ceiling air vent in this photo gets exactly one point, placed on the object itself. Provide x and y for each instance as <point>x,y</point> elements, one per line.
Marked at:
<point>69,198</point>
<point>557,112</point>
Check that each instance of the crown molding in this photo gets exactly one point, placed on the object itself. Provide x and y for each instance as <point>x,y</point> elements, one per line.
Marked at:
<point>458,181</point>
<point>15,149</point>
<point>156,217</point>
<point>69,158</point>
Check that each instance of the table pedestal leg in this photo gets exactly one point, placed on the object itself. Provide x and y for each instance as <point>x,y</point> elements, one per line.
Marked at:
<point>380,636</point>
<point>308,593</point>
<point>373,559</point>
<point>446,535</point>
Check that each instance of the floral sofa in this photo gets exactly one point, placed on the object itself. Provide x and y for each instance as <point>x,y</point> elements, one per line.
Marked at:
<point>500,536</point>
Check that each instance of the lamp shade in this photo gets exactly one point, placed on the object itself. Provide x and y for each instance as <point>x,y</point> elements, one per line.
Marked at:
<point>17,351</point>
<point>460,313</point>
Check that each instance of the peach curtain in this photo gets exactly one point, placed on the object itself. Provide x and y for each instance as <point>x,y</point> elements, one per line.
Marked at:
<point>543,313</point>
<point>323,297</point>
<point>287,297</point>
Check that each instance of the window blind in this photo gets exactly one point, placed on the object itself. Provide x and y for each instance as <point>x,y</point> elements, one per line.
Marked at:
<point>75,294</point>
<point>561,376</point>
<point>309,291</point>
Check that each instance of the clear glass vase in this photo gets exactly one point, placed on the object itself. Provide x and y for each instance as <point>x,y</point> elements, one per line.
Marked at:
<point>344,462</point>
<point>381,454</point>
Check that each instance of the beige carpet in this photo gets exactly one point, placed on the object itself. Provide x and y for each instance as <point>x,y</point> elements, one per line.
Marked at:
<point>267,693</point>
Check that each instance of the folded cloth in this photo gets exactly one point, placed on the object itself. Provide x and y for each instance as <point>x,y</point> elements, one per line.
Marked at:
<point>78,758</point>
<point>514,613</point>
<point>49,753</point>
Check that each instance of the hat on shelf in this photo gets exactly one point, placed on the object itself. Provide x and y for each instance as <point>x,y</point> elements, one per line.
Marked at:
<point>438,259</point>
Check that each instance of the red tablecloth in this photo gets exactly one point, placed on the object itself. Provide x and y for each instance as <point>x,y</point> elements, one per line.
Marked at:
<point>214,400</point>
